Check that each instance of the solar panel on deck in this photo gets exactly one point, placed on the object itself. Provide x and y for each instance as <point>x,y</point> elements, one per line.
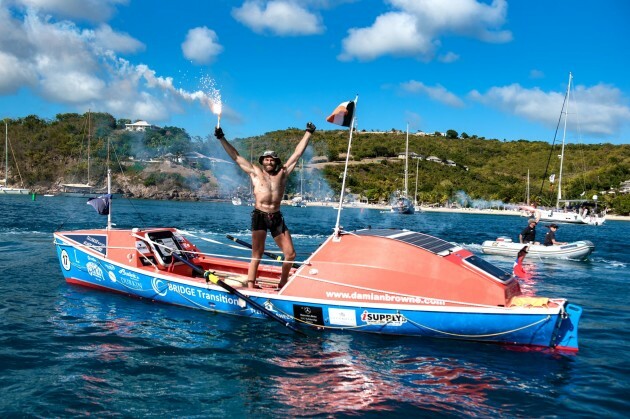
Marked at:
<point>421,240</point>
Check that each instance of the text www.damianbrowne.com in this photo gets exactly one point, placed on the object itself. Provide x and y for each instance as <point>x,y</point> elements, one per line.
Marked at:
<point>384,297</point>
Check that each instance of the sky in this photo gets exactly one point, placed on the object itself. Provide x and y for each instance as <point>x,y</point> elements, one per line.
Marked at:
<point>494,68</point>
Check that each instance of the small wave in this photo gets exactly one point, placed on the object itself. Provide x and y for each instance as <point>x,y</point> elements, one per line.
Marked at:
<point>16,231</point>
<point>610,263</point>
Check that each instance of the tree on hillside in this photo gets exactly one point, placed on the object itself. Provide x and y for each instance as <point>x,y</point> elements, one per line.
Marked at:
<point>451,133</point>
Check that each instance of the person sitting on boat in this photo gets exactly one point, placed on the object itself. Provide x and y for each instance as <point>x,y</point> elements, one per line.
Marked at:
<point>528,235</point>
<point>269,183</point>
<point>550,237</point>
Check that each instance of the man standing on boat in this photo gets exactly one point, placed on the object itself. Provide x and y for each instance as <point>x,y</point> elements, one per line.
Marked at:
<point>528,235</point>
<point>269,183</point>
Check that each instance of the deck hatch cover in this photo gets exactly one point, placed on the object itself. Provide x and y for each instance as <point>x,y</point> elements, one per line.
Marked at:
<point>421,240</point>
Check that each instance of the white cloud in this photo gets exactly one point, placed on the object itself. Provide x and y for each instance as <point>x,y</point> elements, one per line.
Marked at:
<point>536,74</point>
<point>13,75</point>
<point>64,63</point>
<point>278,17</point>
<point>392,33</point>
<point>437,92</point>
<point>201,45</point>
<point>415,29</point>
<point>92,10</point>
<point>449,57</point>
<point>600,109</point>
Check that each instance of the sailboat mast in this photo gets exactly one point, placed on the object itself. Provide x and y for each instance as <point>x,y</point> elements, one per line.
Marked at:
<point>527,186</point>
<point>415,196</point>
<point>564,134</point>
<point>88,149</point>
<point>6,153</point>
<point>407,161</point>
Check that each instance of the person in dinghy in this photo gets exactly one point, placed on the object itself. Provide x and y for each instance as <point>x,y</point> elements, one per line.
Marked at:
<point>269,182</point>
<point>550,237</point>
<point>528,235</point>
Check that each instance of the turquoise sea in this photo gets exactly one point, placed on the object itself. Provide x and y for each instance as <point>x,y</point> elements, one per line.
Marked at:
<point>68,351</point>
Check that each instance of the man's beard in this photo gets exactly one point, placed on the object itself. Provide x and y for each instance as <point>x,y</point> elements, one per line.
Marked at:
<point>270,168</point>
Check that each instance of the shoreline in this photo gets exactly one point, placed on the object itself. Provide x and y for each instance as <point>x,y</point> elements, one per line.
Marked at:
<point>609,217</point>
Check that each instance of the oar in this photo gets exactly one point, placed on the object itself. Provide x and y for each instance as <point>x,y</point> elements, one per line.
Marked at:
<point>212,277</point>
<point>271,255</point>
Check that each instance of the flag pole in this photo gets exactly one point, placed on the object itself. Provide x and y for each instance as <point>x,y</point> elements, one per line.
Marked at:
<point>345,170</point>
<point>109,189</point>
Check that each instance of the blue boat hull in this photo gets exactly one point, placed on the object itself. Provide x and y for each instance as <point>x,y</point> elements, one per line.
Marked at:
<point>524,326</point>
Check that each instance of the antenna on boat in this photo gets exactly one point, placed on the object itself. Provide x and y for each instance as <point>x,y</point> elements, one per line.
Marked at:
<point>345,170</point>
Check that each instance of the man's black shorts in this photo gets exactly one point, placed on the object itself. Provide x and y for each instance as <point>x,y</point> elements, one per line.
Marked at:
<point>274,222</point>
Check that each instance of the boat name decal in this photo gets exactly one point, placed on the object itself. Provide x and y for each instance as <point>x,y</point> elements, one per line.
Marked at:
<point>184,291</point>
<point>384,297</point>
<point>95,271</point>
<point>390,319</point>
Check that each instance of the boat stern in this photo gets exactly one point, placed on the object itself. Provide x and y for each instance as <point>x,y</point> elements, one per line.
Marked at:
<point>566,338</point>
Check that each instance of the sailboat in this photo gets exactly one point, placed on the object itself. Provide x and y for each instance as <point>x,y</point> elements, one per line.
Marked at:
<point>403,204</point>
<point>4,188</point>
<point>81,190</point>
<point>585,214</point>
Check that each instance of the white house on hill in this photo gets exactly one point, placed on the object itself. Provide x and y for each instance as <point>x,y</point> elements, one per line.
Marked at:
<point>139,126</point>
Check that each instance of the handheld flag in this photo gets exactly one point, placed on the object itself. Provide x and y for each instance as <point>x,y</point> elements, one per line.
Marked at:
<point>343,114</point>
<point>518,264</point>
<point>101,204</point>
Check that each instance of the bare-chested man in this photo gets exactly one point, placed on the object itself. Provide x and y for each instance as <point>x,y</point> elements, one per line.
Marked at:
<point>269,184</point>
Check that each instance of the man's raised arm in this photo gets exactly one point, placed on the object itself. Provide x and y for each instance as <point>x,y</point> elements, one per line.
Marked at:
<point>301,147</point>
<point>229,148</point>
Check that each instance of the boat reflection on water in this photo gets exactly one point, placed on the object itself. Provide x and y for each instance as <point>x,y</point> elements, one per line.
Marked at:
<point>333,374</point>
<point>337,377</point>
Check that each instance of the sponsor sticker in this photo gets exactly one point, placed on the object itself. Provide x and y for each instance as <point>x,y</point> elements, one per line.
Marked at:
<point>342,317</point>
<point>95,271</point>
<point>309,314</point>
<point>159,286</point>
<point>390,319</point>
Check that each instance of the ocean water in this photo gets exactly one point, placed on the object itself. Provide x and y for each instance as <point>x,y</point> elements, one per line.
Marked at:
<point>68,351</point>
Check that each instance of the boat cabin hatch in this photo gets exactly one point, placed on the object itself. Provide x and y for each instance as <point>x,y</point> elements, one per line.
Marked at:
<point>485,266</point>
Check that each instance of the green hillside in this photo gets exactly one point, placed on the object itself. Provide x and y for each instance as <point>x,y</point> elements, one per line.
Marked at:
<point>486,169</point>
<point>52,151</point>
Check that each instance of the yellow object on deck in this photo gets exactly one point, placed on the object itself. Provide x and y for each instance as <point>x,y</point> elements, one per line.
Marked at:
<point>523,301</point>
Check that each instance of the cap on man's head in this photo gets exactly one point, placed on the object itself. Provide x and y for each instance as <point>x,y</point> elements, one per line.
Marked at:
<point>269,153</point>
<point>553,225</point>
<point>532,220</point>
